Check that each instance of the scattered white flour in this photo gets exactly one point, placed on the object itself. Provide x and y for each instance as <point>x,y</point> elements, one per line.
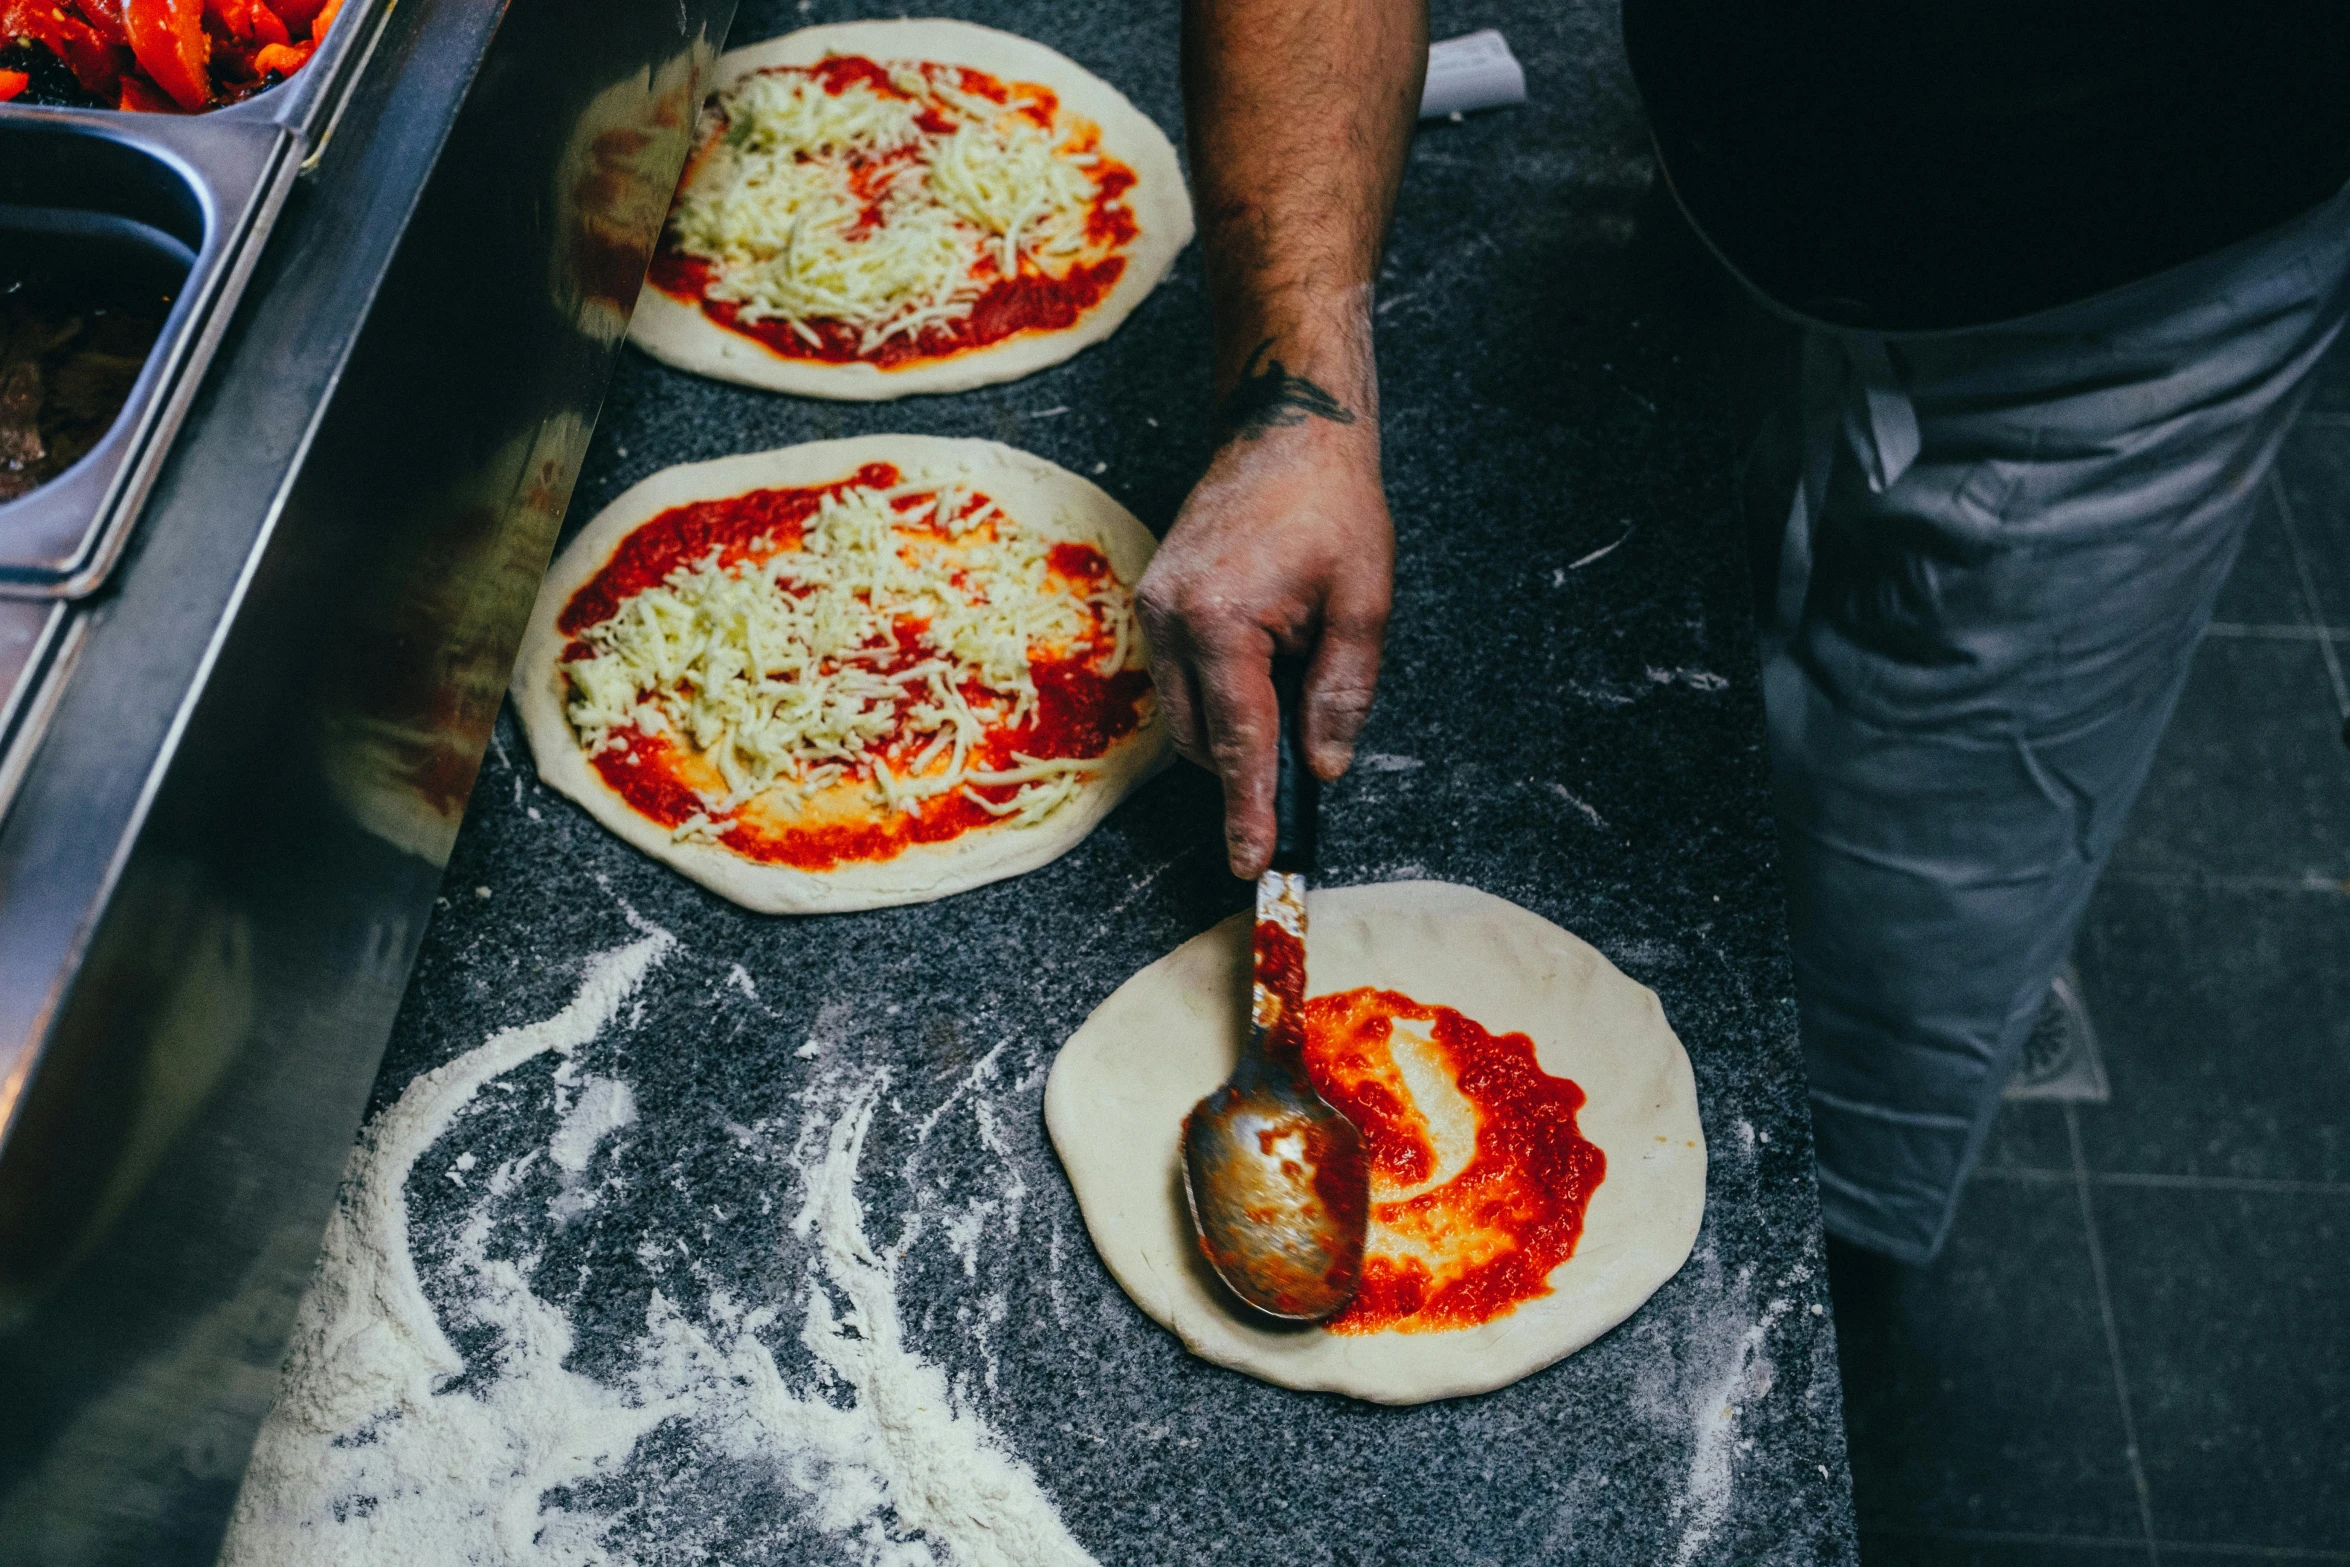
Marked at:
<point>832,1022</point>
<point>1642,952</point>
<point>1742,1374</point>
<point>1694,679</point>
<point>605,1106</point>
<point>1605,694</point>
<point>1580,804</point>
<point>991,1136</point>
<point>963,1231</point>
<point>1055,1251</point>
<point>945,1473</point>
<point>371,1456</point>
<point>361,1460</point>
<point>982,1073</point>
<point>1558,579</point>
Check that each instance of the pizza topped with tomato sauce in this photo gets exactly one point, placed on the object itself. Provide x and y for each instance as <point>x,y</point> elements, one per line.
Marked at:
<point>1537,1160</point>
<point>849,674</point>
<point>889,207</point>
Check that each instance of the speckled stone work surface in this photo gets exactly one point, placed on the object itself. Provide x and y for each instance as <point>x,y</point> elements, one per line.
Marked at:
<point>1582,736</point>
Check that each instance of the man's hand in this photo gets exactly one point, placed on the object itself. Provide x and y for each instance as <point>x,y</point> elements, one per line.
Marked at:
<point>1300,113</point>
<point>1284,545</point>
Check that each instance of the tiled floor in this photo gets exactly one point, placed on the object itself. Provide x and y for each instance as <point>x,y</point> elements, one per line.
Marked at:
<point>2136,1347</point>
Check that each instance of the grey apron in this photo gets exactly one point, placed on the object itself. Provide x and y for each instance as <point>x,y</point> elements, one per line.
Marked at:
<point>1987,557</point>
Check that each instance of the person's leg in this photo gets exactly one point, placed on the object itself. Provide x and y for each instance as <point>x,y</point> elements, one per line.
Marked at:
<point>1985,654</point>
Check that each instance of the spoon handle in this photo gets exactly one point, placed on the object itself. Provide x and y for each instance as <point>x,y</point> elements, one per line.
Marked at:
<point>1297,793</point>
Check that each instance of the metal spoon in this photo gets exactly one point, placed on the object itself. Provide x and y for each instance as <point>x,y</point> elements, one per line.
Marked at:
<point>1276,1178</point>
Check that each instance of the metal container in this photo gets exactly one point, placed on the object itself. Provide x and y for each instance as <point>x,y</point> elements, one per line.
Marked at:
<point>196,193</point>
<point>241,751</point>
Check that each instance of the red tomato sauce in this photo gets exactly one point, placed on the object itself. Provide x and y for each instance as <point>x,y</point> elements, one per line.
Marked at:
<point>1080,711</point>
<point>1499,1226</point>
<point>1280,967</point>
<point>1080,563</point>
<point>757,524</point>
<point>1010,306</point>
<point>840,72</point>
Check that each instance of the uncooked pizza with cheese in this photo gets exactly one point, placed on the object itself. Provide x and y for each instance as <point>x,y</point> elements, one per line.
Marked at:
<point>847,674</point>
<point>877,208</point>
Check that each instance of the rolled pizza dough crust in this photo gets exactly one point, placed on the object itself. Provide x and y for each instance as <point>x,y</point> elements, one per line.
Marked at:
<point>1121,1086</point>
<point>1040,494</point>
<point>679,334</point>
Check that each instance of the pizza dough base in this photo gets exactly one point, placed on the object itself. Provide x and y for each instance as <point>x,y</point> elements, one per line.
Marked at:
<point>1040,494</point>
<point>679,334</point>
<point>1121,1086</point>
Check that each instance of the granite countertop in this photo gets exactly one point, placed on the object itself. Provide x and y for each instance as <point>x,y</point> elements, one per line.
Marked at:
<point>1582,736</point>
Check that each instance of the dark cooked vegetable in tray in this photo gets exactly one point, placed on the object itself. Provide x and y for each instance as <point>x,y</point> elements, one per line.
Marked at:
<point>69,353</point>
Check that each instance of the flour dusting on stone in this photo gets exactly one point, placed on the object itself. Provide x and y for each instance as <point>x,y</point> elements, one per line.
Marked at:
<point>605,1106</point>
<point>1589,813</point>
<point>387,1447</point>
<point>1740,1372</point>
<point>946,1473</point>
<point>363,1459</point>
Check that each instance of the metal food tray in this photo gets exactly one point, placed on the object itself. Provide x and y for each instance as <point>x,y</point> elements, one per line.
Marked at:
<point>189,197</point>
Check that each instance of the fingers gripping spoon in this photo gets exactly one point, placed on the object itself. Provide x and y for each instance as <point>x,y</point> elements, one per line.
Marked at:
<point>1276,1178</point>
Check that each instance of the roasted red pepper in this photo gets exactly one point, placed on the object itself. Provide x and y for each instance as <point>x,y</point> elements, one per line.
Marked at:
<point>140,96</point>
<point>12,83</point>
<point>105,19</point>
<point>170,55</point>
<point>284,59</point>
<point>95,64</point>
<point>168,37</point>
<point>248,22</point>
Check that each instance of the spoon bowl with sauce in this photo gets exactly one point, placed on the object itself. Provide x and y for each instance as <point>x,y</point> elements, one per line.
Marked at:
<point>1275,1177</point>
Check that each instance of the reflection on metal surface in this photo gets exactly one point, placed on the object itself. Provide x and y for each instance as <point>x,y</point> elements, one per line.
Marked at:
<point>613,186</point>
<point>399,740</point>
<point>223,850</point>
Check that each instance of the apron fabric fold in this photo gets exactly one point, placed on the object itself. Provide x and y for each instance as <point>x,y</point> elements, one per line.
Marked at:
<point>1984,560</point>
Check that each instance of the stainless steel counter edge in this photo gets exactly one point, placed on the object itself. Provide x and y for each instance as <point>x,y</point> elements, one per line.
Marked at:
<point>216,871</point>
<point>149,647</point>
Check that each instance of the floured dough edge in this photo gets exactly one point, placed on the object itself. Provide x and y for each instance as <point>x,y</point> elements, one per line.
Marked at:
<point>1040,494</point>
<point>1119,1089</point>
<point>681,335</point>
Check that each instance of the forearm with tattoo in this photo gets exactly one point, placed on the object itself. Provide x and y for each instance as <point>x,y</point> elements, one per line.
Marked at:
<point>1300,113</point>
<point>1269,397</point>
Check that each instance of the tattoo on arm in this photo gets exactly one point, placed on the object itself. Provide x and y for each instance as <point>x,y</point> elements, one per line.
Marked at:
<point>1268,396</point>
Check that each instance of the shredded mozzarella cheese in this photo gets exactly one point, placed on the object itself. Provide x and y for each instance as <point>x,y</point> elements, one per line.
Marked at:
<point>844,206</point>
